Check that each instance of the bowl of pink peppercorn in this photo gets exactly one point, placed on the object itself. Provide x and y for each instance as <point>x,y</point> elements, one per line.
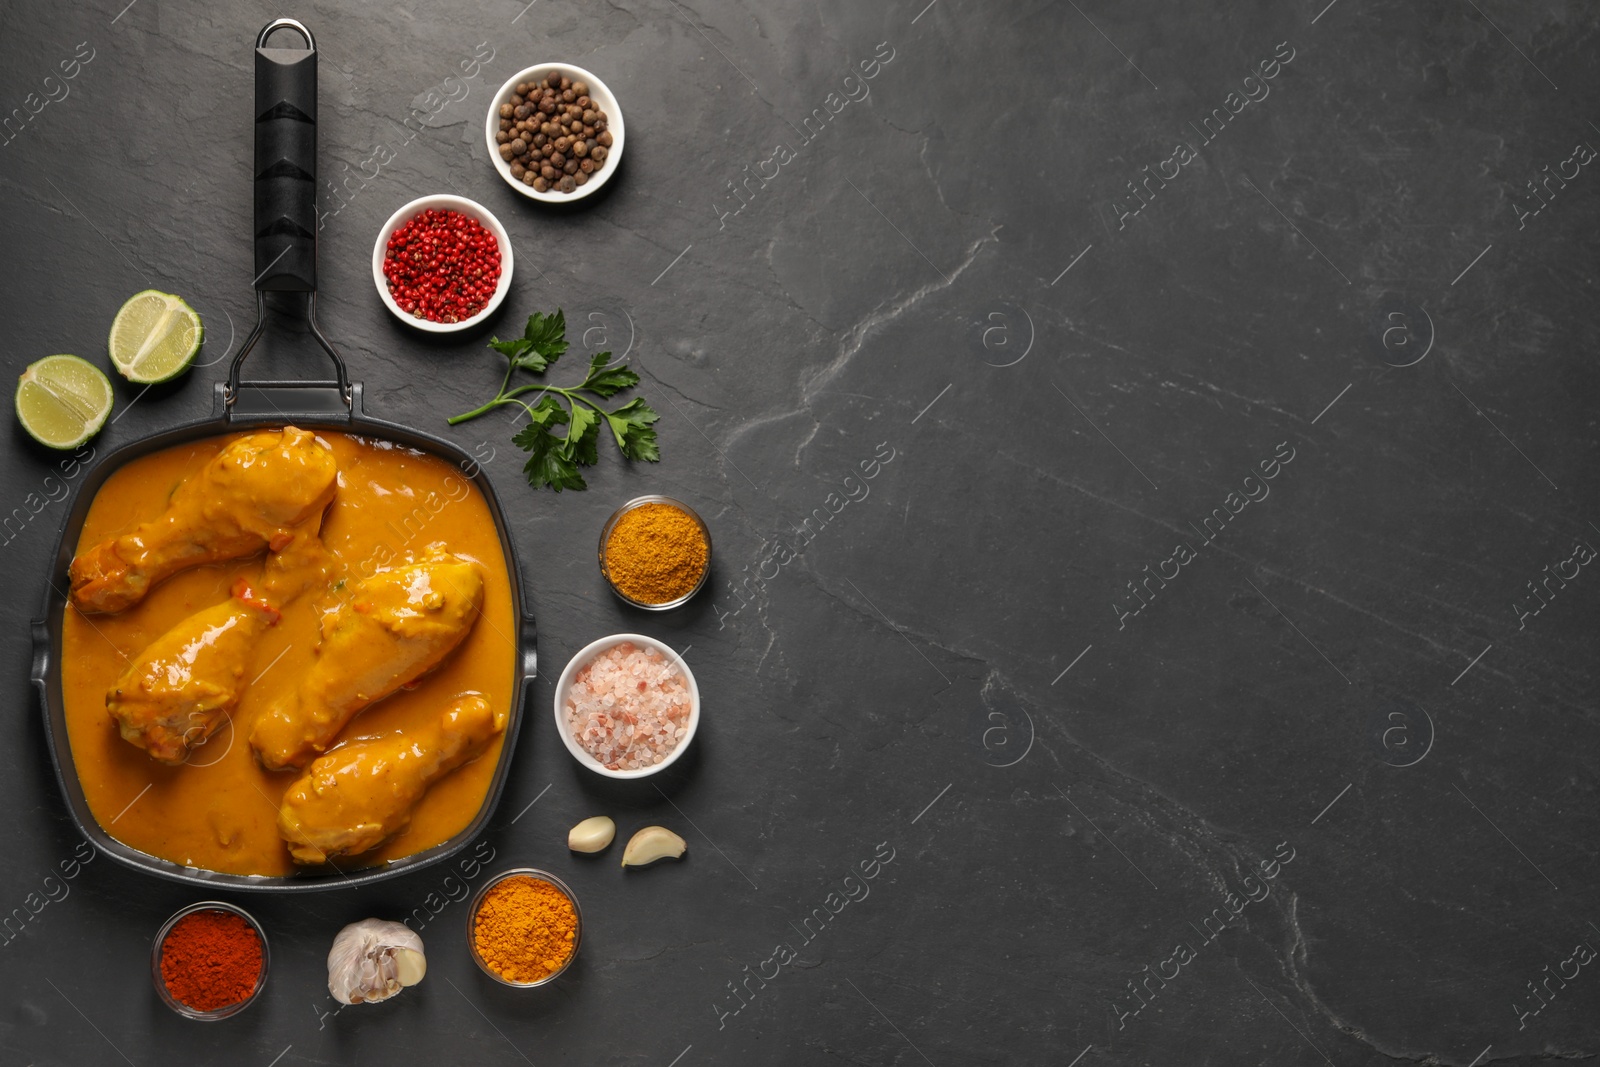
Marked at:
<point>627,706</point>
<point>442,263</point>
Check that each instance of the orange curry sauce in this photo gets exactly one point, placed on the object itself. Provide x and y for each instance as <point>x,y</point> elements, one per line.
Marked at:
<point>219,810</point>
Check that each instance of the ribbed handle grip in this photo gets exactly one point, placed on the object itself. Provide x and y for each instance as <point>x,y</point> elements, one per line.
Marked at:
<point>286,163</point>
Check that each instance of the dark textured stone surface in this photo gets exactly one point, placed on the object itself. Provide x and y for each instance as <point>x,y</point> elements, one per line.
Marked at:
<point>1081,824</point>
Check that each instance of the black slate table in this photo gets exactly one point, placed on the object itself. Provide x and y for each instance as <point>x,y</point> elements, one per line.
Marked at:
<point>1205,672</point>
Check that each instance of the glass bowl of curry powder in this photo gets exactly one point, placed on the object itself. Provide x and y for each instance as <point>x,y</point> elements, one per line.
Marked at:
<point>524,927</point>
<point>655,552</point>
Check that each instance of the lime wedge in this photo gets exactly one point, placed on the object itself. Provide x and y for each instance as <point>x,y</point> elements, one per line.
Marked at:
<point>63,401</point>
<point>154,337</point>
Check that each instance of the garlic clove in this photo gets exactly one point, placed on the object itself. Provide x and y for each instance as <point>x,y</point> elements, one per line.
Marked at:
<point>592,835</point>
<point>651,844</point>
<point>372,960</point>
<point>410,966</point>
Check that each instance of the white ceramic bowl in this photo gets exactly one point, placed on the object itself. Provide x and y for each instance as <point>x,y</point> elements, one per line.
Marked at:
<point>584,655</point>
<point>598,91</point>
<point>473,210</point>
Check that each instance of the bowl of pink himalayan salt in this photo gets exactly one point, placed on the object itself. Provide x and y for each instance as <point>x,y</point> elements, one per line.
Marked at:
<point>627,706</point>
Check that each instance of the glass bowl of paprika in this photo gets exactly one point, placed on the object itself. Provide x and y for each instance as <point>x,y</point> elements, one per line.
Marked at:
<point>524,928</point>
<point>655,552</point>
<point>209,961</point>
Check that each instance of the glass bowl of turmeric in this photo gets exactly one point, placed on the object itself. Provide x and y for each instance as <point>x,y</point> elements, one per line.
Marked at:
<point>524,927</point>
<point>655,552</point>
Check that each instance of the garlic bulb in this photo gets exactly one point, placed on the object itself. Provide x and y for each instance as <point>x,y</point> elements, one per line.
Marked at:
<point>372,960</point>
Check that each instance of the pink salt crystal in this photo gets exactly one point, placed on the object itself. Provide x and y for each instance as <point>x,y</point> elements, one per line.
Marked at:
<point>633,725</point>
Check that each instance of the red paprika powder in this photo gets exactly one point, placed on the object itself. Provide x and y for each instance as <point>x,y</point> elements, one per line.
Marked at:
<point>211,959</point>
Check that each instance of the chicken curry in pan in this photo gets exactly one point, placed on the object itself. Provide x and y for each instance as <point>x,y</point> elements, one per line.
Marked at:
<point>285,648</point>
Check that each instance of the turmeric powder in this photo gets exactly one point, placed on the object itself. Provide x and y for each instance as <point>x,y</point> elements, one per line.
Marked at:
<point>526,929</point>
<point>656,553</point>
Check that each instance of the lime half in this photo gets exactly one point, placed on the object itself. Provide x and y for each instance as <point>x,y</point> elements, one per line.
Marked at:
<point>63,401</point>
<point>155,337</point>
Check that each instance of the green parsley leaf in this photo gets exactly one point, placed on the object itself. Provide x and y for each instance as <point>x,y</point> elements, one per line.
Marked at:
<point>543,341</point>
<point>583,437</point>
<point>547,334</point>
<point>510,349</point>
<point>608,381</point>
<point>631,424</point>
<point>547,462</point>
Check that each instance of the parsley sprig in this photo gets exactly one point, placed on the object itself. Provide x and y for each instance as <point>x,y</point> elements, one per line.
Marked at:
<point>552,460</point>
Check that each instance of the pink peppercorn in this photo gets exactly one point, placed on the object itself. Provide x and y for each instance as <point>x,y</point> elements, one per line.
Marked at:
<point>442,266</point>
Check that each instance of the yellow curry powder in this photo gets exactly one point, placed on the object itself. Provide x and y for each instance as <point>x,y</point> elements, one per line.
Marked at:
<point>525,928</point>
<point>656,553</point>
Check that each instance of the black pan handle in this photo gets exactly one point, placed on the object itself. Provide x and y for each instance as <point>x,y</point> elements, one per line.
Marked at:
<point>286,209</point>
<point>286,162</point>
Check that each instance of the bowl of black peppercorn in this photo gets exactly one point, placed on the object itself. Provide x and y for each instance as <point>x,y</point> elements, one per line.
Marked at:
<point>554,132</point>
